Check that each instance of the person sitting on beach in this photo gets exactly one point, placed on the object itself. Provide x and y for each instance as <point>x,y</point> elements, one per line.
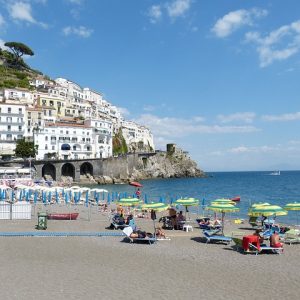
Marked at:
<point>160,233</point>
<point>172,215</point>
<point>275,241</point>
<point>128,219</point>
<point>258,232</point>
<point>180,219</point>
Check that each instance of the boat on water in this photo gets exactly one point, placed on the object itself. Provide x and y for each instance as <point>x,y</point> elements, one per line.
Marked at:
<point>236,199</point>
<point>275,173</point>
<point>62,216</point>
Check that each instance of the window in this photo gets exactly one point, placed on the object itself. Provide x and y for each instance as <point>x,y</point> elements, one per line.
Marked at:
<point>8,127</point>
<point>8,119</point>
<point>39,115</point>
<point>53,147</point>
<point>61,132</point>
<point>46,147</point>
<point>9,137</point>
<point>20,128</point>
<point>46,138</point>
<point>44,102</point>
<point>9,110</point>
<point>20,110</point>
<point>29,115</point>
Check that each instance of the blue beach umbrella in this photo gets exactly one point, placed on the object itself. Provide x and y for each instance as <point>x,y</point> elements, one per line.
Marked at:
<point>49,196</point>
<point>108,198</point>
<point>56,196</point>
<point>1,195</point>
<point>146,199</point>
<point>87,199</point>
<point>27,196</point>
<point>35,197</point>
<point>20,195</point>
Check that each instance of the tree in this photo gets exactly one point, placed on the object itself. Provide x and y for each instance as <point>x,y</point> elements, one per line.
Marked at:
<point>19,49</point>
<point>25,149</point>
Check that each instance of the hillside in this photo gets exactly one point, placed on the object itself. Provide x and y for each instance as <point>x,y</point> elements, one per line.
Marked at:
<point>15,73</point>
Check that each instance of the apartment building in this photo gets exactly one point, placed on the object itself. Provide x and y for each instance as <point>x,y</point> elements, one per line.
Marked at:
<point>12,126</point>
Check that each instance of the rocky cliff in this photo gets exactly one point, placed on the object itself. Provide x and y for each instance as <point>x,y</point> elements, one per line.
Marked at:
<point>166,165</point>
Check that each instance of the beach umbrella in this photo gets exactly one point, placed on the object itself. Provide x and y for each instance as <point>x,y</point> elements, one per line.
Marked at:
<point>187,202</point>
<point>223,208</point>
<point>155,207</point>
<point>293,206</point>
<point>224,201</point>
<point>87,199</point>
<point>129,201</point>
<point>267,211</point>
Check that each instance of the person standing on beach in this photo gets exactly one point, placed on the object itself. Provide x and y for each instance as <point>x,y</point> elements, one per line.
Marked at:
<point>138,193</point>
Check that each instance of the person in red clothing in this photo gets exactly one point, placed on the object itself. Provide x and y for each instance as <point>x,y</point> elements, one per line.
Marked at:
<point>138,193</point>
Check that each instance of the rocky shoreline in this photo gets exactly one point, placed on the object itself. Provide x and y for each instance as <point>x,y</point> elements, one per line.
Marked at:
<point>161,165</point>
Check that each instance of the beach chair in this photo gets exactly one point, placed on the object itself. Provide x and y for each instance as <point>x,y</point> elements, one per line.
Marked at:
<point>253,221</point>
<point>292,237</point>
<point>238,243</point>
<point>262,248</point>
<point>214,238</point>
<point>128,230</point>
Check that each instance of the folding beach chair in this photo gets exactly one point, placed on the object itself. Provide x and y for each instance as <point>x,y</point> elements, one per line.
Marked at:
<point>128,230</point>
<point>292,236</point>
<point>214,238</point>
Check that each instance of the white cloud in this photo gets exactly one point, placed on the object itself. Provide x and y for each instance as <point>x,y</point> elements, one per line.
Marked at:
<point>282,118</point>
<point>246,117</point>
<point>77,2</point>
<point>155,13</point>
<point>174,127</point>
<point>22,12</point>
<point>236,19</point>
<point>124,111</point>
<point>178,8</point>
<point>279,44</point>
<point>2,45</point>
<point>262,149</point>
<point>80,31</point>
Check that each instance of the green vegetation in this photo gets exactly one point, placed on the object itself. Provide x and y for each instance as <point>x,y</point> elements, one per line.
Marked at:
<point>119,144</point>
<point>25,149</point>
<point>14,72</point>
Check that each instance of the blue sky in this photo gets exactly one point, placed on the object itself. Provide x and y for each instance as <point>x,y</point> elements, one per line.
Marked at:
<point>219,78</point>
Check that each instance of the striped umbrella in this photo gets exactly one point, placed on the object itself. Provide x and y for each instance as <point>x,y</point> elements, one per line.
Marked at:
<point>129,201</point>
<point>224,201</point>
<point>267,210</point>
<point>293,206</point>
<point>187,202</point>
<point>223,208</point>
<point>156,207</point>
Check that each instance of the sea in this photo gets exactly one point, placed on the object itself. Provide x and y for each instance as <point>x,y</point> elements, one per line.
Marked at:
<point>252,187</point>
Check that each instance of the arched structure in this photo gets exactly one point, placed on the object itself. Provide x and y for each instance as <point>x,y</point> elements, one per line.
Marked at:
<point>65,147</point>
<point>49,170</point>
<point>86,168</point>
<point>68,169</point>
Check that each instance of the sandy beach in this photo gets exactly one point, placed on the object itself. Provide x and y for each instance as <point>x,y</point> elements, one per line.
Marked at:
<point>109,268</point>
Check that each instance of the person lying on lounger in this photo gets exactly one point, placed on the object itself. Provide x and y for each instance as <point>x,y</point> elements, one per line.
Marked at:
<point>141,234</point>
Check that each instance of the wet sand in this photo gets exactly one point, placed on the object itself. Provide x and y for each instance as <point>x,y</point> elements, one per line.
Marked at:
<point>109,268</point>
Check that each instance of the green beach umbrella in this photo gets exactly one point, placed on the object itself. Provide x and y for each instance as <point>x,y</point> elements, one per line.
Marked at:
<point>187,202</point>
<point>224,201</point>
<point>267,211</point>
<point>129,201</point>
<point>260,204</point>
<point>293,206</point>
<point>223,208</point>
<point>157,207</point>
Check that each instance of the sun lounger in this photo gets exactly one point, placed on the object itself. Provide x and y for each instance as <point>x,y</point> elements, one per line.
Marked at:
<point>292,237</point>
<point>214,238</point>
<point>128,230</point>
<point>255,249</point>
<point>253,221</point>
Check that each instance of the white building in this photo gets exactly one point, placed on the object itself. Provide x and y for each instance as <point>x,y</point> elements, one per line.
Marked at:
<point>19,95</point>
<point>73,141</point>
<point>137,137</point>
<point>12,126</point>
